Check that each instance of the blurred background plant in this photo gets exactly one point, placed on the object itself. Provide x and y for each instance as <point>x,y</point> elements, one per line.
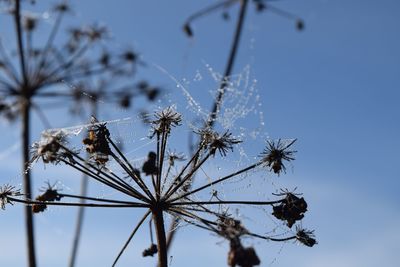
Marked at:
<point>71,66</point>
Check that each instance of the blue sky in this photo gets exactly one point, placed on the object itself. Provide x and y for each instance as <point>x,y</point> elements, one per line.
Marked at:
<point>334,86</point>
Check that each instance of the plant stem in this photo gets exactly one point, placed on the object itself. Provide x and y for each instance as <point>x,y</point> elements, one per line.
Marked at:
<point>161,239</point>
<point>218,101</point>
<point>79,221</point>
<point>27,181</point>
<point>229,65</point>
<point>17,18</point>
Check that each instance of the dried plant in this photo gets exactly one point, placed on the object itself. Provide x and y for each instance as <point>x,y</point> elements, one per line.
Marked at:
<point>158,191</point>
<point>153,187</point>
<point>43,71</point>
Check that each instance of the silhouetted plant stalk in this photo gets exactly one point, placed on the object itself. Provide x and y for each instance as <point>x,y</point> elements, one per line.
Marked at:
<point>42,68</point>
<point>165,194</point>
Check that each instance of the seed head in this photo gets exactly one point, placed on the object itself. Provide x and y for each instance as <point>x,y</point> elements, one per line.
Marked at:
<point>276,153</point>
<point>50,194</point>
<point>5,192</point>
<point>48,148</point>
<point>150,251</point>
<point>166,119</point>
<point>216,142</point>
<point>305,237</point>
<point>291,209</point>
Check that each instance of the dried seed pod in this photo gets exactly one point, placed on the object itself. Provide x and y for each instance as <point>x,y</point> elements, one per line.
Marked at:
<point>188,30</point>
<point>243,257</point>
<point>150,251</point>
<point>300,25</point>
<point>149,167</point>
<point>291,209</point>
<point>50,194</point>
<point>305,237</point>
<point>276,153</point>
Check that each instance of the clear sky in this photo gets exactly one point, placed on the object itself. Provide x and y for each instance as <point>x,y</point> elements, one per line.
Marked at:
<point>335,86</point>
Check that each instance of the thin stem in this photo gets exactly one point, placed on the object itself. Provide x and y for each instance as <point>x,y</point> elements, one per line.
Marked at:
<point>164,138</point>
<point>92,205</point>
<point>117,183</point>
<point>17,18</point>
<point>217,181</point>
<point>98,199</point>
<point>9,67</point>
<point>67,64</point>
<point>129,170</point>
<point>79,221</point>
<point>209,9</point>
<point>208,223</point>
<point>229,66</point>
<point>131,236</point>
<point>272,238</point>
<point>195,156</point>
<point>226,202</point>
<point>188,176</point>
<point>41,116</point>
<point>50,41</point>
<point>113,184</point>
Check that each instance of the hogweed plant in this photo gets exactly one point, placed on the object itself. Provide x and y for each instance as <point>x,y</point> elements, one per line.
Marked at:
<point>34,71</point>
<point>158,191</point>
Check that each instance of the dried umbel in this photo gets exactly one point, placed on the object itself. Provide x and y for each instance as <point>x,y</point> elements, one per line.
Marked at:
<point>50,194</point>
<point>241,256</point>
<point>276,153</point>
<point>151,251</point>
<point>166,192</point>
<point>291,209</point>
<point>230,228</point>
<point>305,237</point>
<point>214,141</point>
<point>48,148</point>
<point>6,192</point>
<point>164,120</point>
<point>96,143</point>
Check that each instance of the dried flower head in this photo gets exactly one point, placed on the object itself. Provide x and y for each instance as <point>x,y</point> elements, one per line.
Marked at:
<point>174,156</point>
<point>305,237</point>
<point>30,23</point>
<point>7,191</point>
<point>96,143</point>
<point>150,251</point>
<point>50,194</point>
<point>48,148</point>
<point>150,165</point>
<point>243,257</point>
<point>213,141</point>
<point>276,153</point>
<point>291,209</point>
<point>230,228</point>
<point>166,119</point>
<point>188,30</point>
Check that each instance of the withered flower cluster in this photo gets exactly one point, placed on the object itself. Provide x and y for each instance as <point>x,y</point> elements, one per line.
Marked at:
<point>50,194</point>
<point>291,209</point>
<point>6,192</point>
<point>166,192</point>
<point>276,153</point>
<point>72,61</point>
